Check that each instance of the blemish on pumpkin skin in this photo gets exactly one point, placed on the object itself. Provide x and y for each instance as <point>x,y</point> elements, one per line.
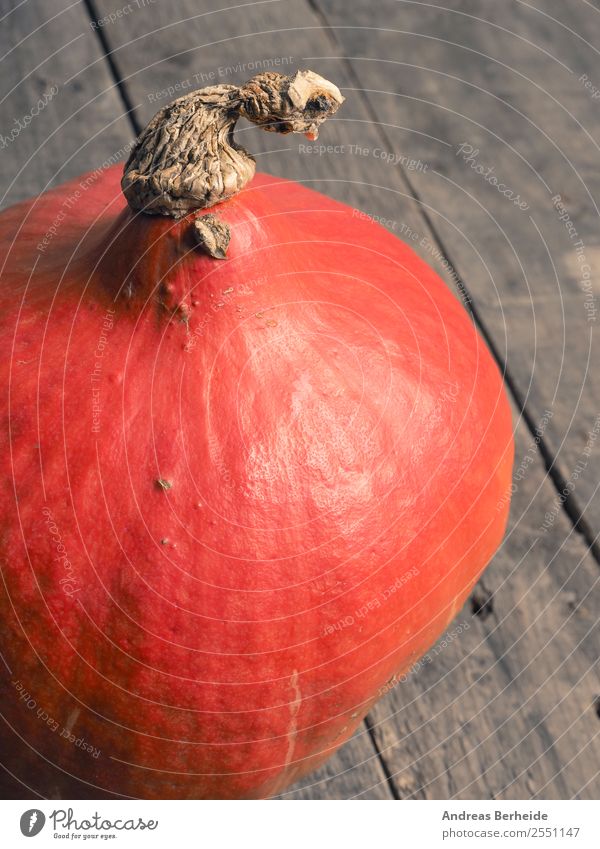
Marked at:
<point>73,717</point>
<point>164,484</point>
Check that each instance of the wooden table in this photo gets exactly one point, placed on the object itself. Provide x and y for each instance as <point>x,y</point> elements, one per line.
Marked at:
<point>462,127</point>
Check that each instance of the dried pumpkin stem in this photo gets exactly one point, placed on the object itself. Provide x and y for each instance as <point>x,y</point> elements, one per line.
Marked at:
<point>187,158</point>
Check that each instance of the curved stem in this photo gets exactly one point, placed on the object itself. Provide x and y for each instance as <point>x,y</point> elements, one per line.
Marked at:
<point>186,158</point>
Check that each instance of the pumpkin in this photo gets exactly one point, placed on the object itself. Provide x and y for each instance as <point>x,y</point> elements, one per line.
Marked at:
<point>256,459</point>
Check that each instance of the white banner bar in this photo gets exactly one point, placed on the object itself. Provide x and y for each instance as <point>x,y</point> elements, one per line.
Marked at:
<point>302,825</point>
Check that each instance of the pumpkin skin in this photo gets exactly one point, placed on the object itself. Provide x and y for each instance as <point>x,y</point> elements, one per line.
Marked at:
<point>236,505</point>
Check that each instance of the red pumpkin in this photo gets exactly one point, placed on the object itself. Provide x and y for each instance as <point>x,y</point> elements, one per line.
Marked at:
<point>239,496</point>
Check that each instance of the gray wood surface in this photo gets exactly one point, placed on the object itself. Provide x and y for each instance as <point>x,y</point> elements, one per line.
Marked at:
<point>504,78</point>
<point>507,708</point>
<point>45,45</point>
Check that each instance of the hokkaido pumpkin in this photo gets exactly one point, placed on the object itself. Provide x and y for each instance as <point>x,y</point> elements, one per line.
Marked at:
<point>255,460</point>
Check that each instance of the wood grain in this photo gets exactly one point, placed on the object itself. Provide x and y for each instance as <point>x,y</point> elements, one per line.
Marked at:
<point>504,79</point>
<point>49,46</point>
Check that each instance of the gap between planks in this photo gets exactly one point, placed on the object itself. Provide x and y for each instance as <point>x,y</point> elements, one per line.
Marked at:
<point>120,86</point>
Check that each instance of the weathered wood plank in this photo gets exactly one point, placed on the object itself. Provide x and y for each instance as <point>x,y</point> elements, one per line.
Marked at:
<point>504,707</point>
<point>501,85</point>
<point>61,115</point>
<point>485,695</point>
<point>523,272</point>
